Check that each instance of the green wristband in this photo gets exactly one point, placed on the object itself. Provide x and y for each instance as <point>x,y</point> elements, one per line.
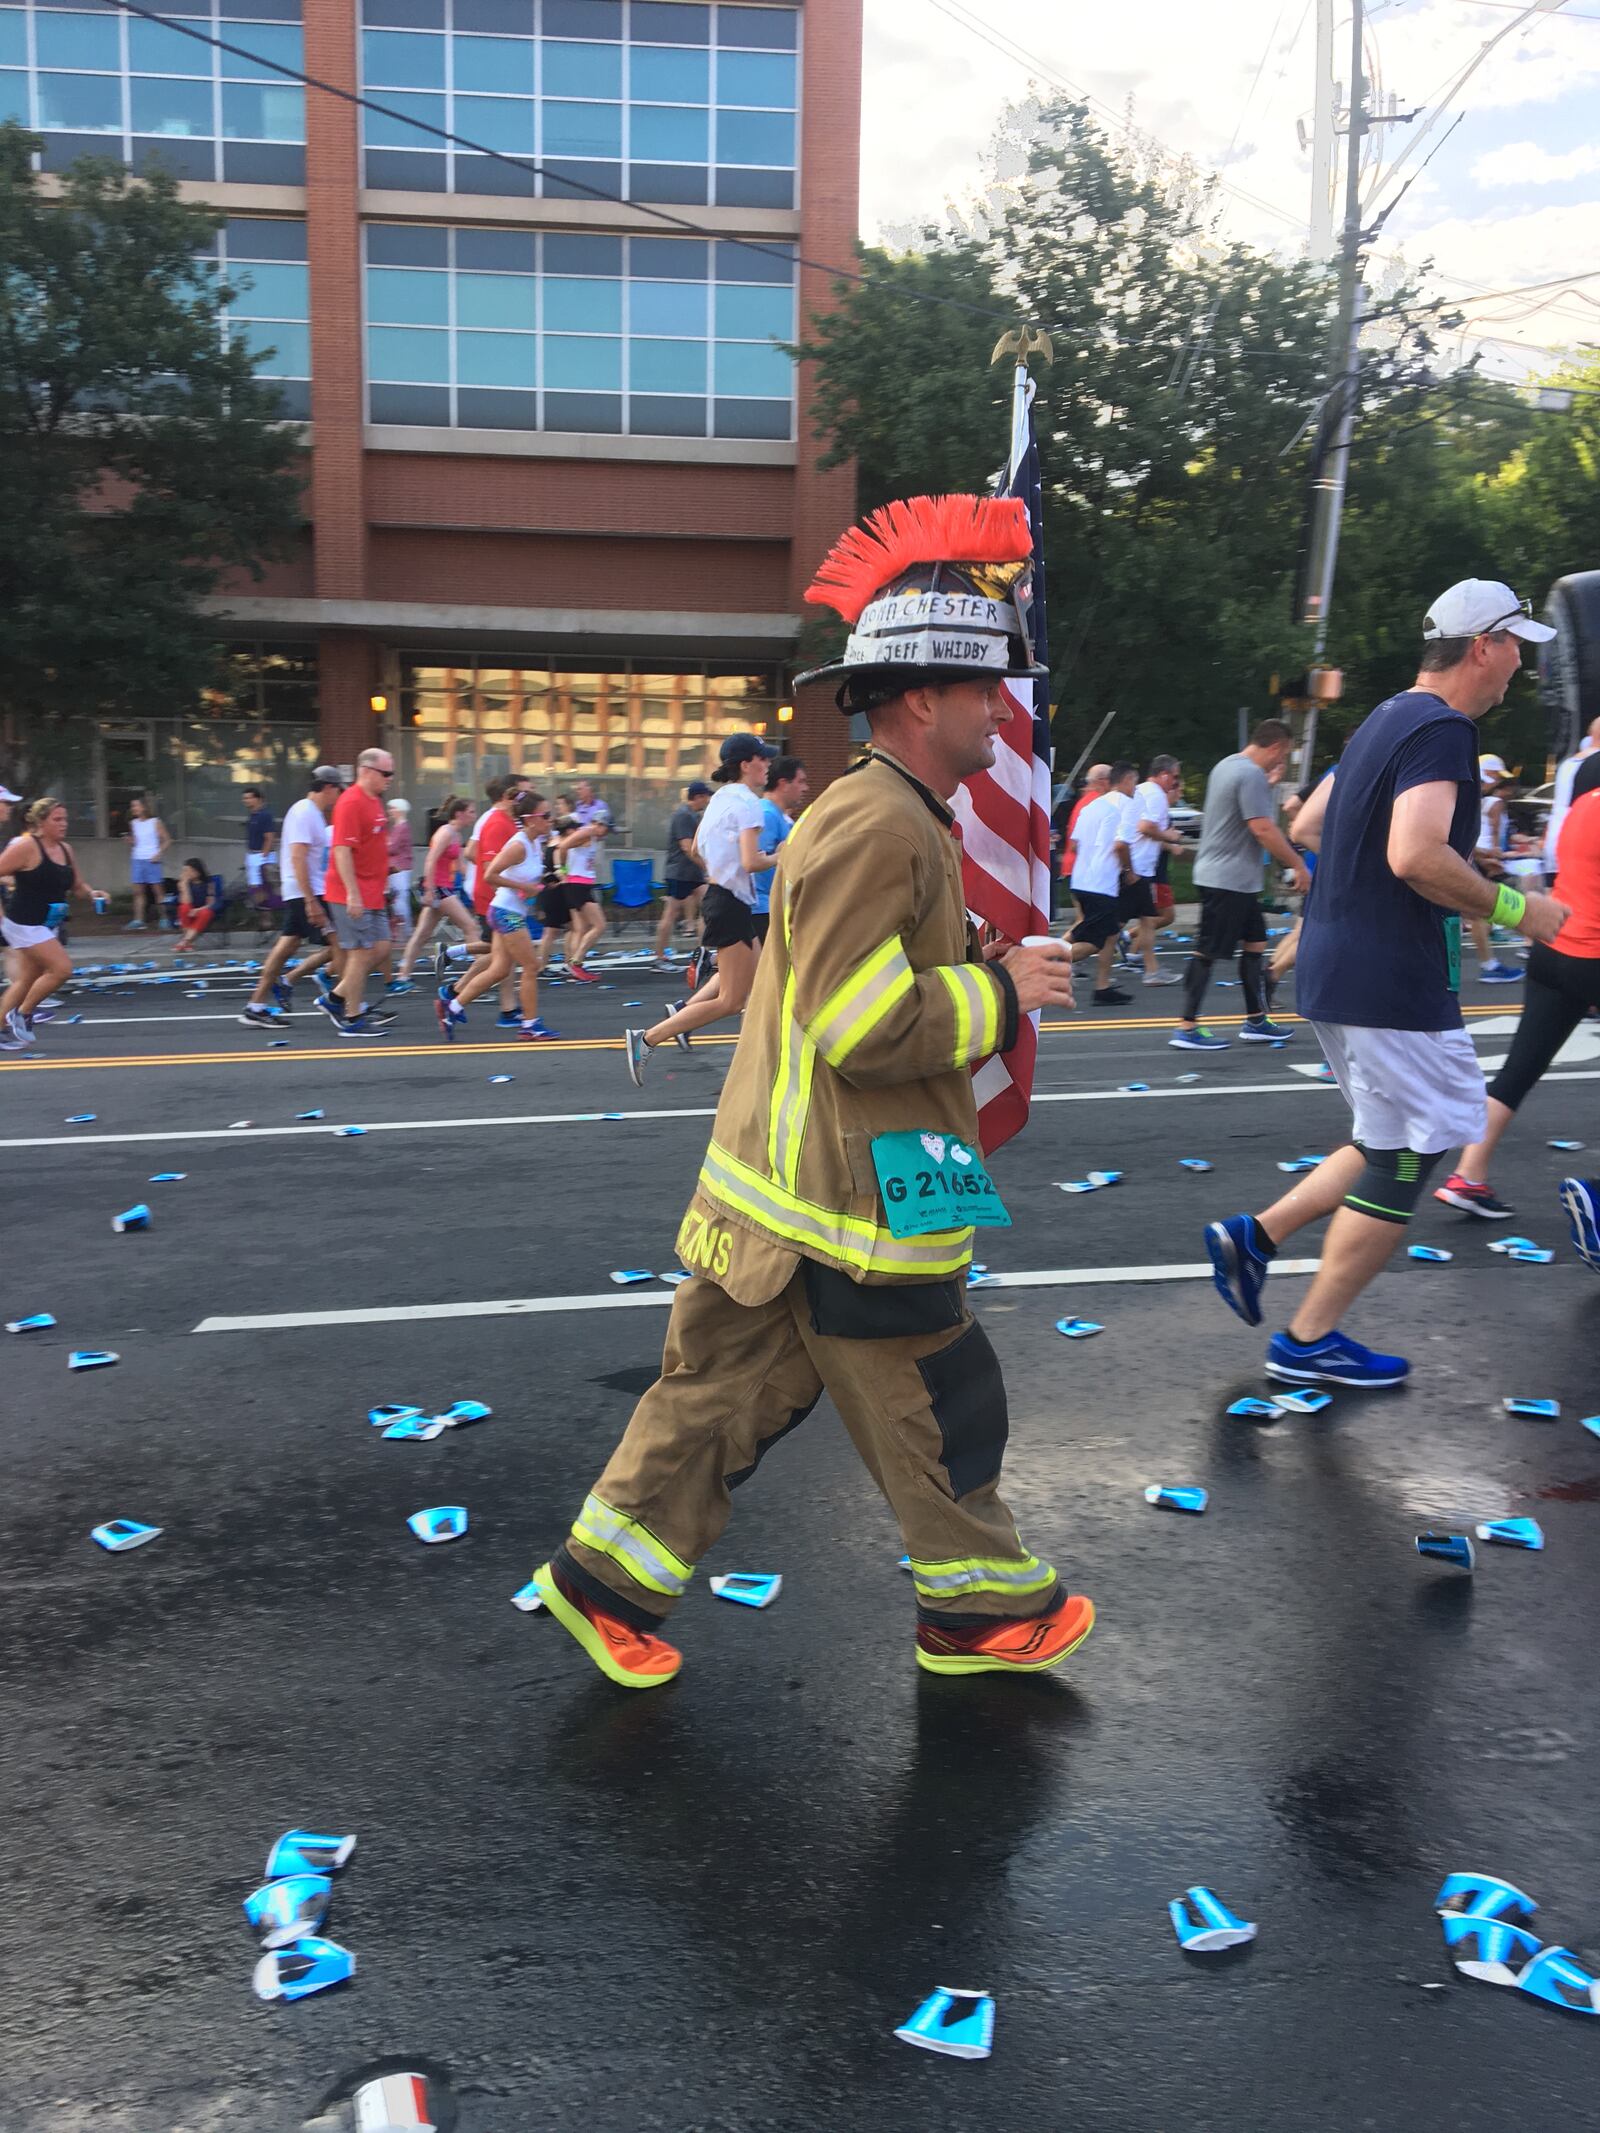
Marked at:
<point>1509,905</point>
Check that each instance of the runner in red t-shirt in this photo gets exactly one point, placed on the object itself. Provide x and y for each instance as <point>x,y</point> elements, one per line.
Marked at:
<point>358,877</point>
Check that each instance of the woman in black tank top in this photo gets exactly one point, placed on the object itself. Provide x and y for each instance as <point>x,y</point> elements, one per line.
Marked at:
<point>44,878</point>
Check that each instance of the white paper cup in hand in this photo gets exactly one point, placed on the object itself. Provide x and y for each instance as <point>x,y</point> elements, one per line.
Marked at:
<point>1043,940</point>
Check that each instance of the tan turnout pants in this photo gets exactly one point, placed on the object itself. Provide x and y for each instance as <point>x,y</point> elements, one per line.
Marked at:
<point>926,1411</point>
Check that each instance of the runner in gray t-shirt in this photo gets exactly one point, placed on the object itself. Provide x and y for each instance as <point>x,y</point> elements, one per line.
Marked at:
<point>1238,833</point>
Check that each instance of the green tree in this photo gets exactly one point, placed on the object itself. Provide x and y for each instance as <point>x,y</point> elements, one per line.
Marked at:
<point>140,458</point>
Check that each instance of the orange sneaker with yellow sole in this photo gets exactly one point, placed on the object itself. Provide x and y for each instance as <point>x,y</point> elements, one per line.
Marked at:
<point>629,1656</point>
<point>1009,1647</point>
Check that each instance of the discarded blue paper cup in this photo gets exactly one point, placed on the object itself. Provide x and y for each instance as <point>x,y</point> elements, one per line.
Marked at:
<point>460,1411</point>
<point>381,1417</point>
<point>1434,1254</point>
<point>1186,1077</point>
<point>1512,1244</point>
<point>83,1118</point>
<point>1078,1329</point>
<point>302,1968</point>
<point>1204,1926</point>
<point>1193,1162</point>
<point>1566,1147</point>
<point>281,1911</point>
<point>350,1133</point>
<point>1486,1948</point>
<point>1175,1499</point>
<point>749,1589</point>
<point>1447,1548</point>
<point>496,1079</point>
<point>1539,1410</point>
<point>1483,1896</point>
<point>1135,1088</point>
<point>676,1277</point>
<point>302,1116</point>
<point>904,1563</point>
<point>132,1218</point>
<point>1105,1177</point>
<point>1512,1532</point>
<point>92,1358</point>
<point>1256,1410</point>
<point>528,1599</point>
<point>1309,1402</point>
<point>118,1535</point>
<point>1078,1185</point>
<point>952,2022</point>
<point>1589,1422</point>
<point>1530,1255</point>
<point>307,1851</point>
<point>443,1522</point>
<point>1556,1975</point>
<point>169,1177</point>
<point>420,1428</point>
<point>625,1277</point>
<point>34,1324</point>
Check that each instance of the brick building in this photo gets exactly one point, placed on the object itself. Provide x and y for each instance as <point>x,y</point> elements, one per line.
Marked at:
<point>563,499</point>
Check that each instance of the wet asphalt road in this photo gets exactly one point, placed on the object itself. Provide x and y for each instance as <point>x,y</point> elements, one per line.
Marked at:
<point>705,1910</point>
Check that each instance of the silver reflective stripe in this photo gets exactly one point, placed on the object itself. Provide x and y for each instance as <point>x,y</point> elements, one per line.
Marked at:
<point>628,1543</point>
<point>940,1580</point>
<point>843,1237</point>
<point>861,1002</point>
<point>977,1009</point>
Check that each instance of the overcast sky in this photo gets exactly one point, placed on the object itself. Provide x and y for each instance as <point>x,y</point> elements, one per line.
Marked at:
<point>1512,198</point>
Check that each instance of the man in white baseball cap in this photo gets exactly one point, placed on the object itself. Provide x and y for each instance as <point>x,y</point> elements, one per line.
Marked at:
<point>1378,975</point>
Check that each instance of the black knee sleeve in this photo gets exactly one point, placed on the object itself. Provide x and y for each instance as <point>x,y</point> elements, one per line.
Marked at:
<point>1390,1186</point>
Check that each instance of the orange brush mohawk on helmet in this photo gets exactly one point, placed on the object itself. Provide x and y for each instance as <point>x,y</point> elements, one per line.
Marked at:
<point>922,529</point>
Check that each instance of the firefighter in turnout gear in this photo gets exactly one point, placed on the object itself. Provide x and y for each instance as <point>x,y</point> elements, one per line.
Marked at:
<point>832,1222</point>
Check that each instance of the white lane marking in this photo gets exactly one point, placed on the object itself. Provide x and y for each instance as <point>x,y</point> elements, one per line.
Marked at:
<point>298,1014</point>
<point>521,1306</point>
<point>572,1118</point>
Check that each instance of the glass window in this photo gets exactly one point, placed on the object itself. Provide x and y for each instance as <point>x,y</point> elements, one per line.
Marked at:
<point>154,49</point>
<point>768,28</point>
<point>753,418</point>
<point>583,255</point>
<point>493,66</point>
<point>495,18</point>
<point>671,22</point>
<point>746,368</point>
<point>401,296</point>
<point>583,18</point>
<point>665,76</point>
<point>80,103</point>
<point>14,98</point>
<point>746,313</point>
<point>253,113</point>
<point>272,40</point>
<point>505,302</point>
<point>291,342</point>
<point>274,291</point>
<point>407,244</point>
<point>495,252</point>
<point>764,78</point>
<point>582,306</point>
<point>14,38</point>
<point>761,137</point>
<point>666,133</point>
<point>667,366</point>
<point>386,132</point>
<point>652,415</point>
<point>404,14</point>
<point>754,262</point>
<point>408,355</point>
<point>593,412</point>
<point>503,122</point>
<point>392,60</point>
<point>668,307</point>
<point>264,237</point>
<point>79,40</point>
<point>171,106</point>
<point>580,365</point>
<point>582,69</point>
<point>508,359</point>
<point>582,129</point>
<point>667,258</point>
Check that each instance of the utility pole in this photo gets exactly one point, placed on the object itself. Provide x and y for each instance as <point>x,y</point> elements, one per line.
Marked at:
<point>1324,122</point>
<point>1339,412</point>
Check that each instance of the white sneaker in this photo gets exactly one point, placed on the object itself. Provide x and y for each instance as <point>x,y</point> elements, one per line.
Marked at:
<point>17,1036</point>
<point>1165,977</point>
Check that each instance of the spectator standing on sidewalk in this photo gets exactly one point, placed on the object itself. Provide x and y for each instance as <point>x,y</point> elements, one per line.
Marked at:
<point>147,834</point>
<point>260,841</point>
<point>1238,833</point>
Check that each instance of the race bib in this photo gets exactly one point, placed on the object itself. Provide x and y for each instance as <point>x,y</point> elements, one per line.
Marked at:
<point>931,1181</point>
<point>1452,950</point>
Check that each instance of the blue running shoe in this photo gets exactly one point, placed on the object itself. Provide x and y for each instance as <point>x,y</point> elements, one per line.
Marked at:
<point>1500,974</point>
<point>508,1018</point>
<point>1335,1358</point>
<point>1238,1264</point>
<point>1581,1199</point>
<point>538,1031</point>
<point>1265,1031</point>
<point>1196,1040</point>
<point>332,1006</point>
<point>283,994</point>
<point>398,985</point>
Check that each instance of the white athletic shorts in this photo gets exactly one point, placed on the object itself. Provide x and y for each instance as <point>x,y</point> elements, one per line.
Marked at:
<point>254,866</point>
<point>25,936</point>
<point>1408,1088</point>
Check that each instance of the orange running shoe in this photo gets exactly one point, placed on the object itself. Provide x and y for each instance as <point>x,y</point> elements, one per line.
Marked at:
<point>1009,1647</point>
<point>627,1655</point>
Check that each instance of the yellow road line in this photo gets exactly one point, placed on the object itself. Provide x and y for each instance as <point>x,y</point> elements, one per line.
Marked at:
<point>458,1050</point>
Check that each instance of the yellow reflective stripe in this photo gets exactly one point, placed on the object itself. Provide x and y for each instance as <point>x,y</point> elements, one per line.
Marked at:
<point>784,1080</point>
<point>646,1560</point>
<point>857,1007</point>
<point>945,1581</point>
<point>847,1238</point>
<point>976,999</point>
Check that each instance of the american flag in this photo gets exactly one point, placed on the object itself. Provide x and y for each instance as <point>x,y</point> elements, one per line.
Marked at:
<point>1004,814</point>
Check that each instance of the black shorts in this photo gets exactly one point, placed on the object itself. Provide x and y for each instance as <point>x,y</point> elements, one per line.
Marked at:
<point>1230,919</point>
<point>1102,916</point>
<point>296,925</point>
<point>730,923</point>
<point>680,887</point>
<point>761,920</point>
<point>554,907</point>
<point>1138,898</point>
<point>579,893</point>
